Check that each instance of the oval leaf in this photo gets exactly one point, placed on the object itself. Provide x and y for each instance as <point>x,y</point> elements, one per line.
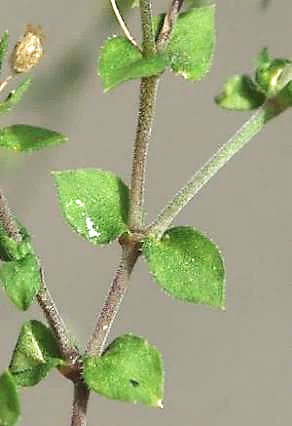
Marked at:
<point>21,280</point>
<point>13,250</point>
<point>35,354</point>
<point>192,43</point>
<point>94,202</point>
<point>15,96</point>
<point>240,93</point>
<point>9,400</point>
<point>23,138</point>
<point>130,370</point>
<point>187,265</point>
<point>121,61</point>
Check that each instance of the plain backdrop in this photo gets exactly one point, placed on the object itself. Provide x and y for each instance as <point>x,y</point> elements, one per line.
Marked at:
<point>222,368</point>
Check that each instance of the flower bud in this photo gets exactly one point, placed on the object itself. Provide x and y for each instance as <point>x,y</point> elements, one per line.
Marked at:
<point>28,51</point>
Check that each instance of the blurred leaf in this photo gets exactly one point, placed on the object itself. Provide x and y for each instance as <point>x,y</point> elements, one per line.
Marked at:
<point>3,48</point>
<point>15,96</point>
<point>263,57</point>
<point>35,354</point>
<point>192,43</point>
<point>187,265</point>
<point>21,280</point>
<point>240,93</point>
<point>24,138</point>
<point>9,400</point>
<point>130,370</point>
<point>268,75</point>
<point>121,61</point>
<point>94,203</point>
<point>13,250</point>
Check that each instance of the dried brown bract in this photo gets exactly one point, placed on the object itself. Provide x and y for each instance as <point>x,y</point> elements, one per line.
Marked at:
<point>28,51</point>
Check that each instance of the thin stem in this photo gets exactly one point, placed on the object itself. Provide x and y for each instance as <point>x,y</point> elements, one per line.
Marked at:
<point>80,402</point>
<point>168,24</point>
<point>147,28</point>
<point>112,303</point>
<point>48,306</point>
<point>148,93</point>
<point>7,221</point>
<point>123,25</point>
<point>253,126</point>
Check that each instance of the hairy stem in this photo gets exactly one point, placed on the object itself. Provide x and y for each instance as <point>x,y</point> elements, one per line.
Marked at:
<point>148,94</point>
<point>112,303</point>
<point>253,126</point>
<point>168,24</point>
<point>147,28</point>
<point>47,304</point>
<point>80,402</point>
<point>7,221</point>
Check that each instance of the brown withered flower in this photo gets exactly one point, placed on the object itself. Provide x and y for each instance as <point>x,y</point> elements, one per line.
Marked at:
<point>28,51</point>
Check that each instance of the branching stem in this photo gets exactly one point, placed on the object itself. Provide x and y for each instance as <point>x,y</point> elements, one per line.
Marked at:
<point>253,126</point>
<point>168,24</point>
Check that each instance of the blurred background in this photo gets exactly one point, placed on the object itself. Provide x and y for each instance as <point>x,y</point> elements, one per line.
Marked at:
<point>222,368</point>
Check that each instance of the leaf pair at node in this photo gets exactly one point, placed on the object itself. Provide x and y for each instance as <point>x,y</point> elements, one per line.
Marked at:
<point>35,354</point>
<point>272,78</point>
<point>189,52</point>
<point>185,263</point>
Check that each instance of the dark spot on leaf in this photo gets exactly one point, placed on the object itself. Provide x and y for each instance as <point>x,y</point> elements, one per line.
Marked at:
<point>134,383</point>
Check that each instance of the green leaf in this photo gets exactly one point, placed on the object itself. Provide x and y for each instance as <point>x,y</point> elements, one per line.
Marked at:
<point>35,354</point>
<point>21,280</point>
<point>240,93</point>
<point>13,250</point>
<point>24,138</point>
<point>187,265</point>
<point>121,61</point>
<point>192,44</point>
<point>9,400</point>
<point>268,75</point>
<point>263,57</point>
<point>3,48</point>
<point>130,370</point>
<point>94,203</point>
<point>15,96</point>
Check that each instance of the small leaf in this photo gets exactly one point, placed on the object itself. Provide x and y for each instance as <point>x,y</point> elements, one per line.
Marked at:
<point>192,44</point>
<point>24,138</point>
<point>130,370</point>
<point>3,48</point>
<point>187,265</point>
<point>15,97</point>
<point>21,280</point>
<point>268,75</point>
<point>13,250</point>
<point>263,57</point>
<point>9,400</point>
<point>121,61</point>
<point>94,203</point>
<point>240,93</point>
<point>35,354</point>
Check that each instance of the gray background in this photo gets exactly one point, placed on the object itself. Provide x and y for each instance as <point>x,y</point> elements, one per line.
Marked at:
<point>221,368</point>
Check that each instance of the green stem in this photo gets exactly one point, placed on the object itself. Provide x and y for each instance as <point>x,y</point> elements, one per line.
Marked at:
<point>148,93</point>
<point>253,126</point>
<point>147,28</point>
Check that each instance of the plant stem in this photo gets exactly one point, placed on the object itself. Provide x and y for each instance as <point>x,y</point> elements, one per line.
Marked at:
<point>115,296</point>
<point>253,126</point>
<point>147,28</point>
<point>7,221</point>
<point>168,24</point>
<point>148,92</point>
<point>47,304</point>
<point>80,402</point>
